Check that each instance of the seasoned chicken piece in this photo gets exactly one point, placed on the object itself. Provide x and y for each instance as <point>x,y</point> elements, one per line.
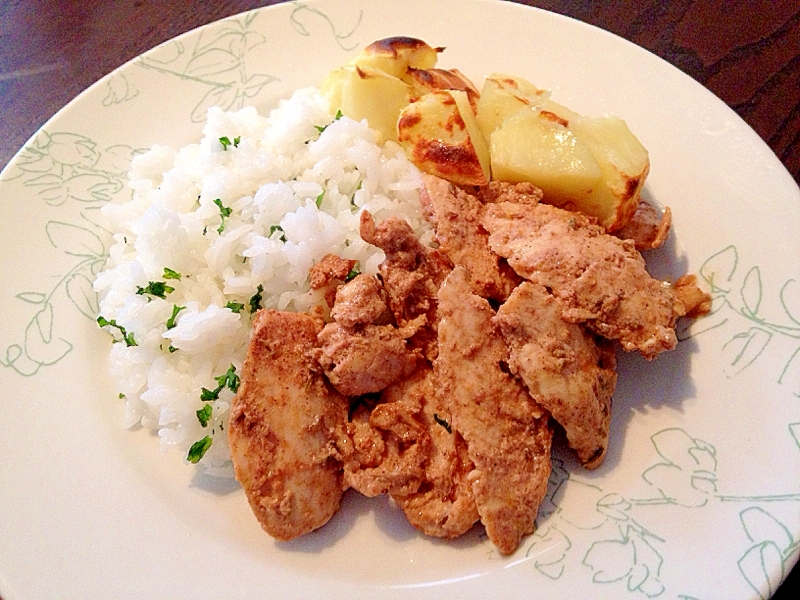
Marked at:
<point>359,302</point>
<point>284,424</point>
<point>508,436</point>
<point>696,302</point>
<point>598,279</point>
<point>647,228</point>
<point>505,191</point>
<point>411,276</point>
<point>367,359</point>
<point>569,371</point>
<point>443,506</point>
<point>328,274</point>
<point>456,215</point>
<point>390,441</point>
<point>329,268</point>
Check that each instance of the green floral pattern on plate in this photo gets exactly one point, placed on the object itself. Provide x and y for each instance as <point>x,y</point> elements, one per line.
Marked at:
<point>614,537</point>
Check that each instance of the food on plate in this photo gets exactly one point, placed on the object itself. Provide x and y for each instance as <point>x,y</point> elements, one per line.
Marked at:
<point>345,294</point>
<point>507,432</point>
<point>213,232</point>
<point>510,131</point>
<point>441,136</point>
<point>284,426</point>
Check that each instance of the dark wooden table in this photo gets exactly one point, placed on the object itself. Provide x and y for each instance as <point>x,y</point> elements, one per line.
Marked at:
<point>745,51</point>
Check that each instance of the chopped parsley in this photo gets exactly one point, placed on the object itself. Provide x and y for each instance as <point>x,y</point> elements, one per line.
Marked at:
<point>126,336</point>
<point>228,380</point>
<point>274,228</point>
<point>224,213</point>
<point>226,141</point>
<point>322,128</point>
<point>204,415</point>
<point>354,272</point>
<point>198,449</point>
<point>319,198</point>
<point>170,274</point>
<point>159,289</point>
<point>235,306</point>
<point>175,310</point>
<point>255,300</point>
<point>442,422</point>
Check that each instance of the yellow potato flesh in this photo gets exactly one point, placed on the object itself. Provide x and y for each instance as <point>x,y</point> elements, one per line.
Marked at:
<point>503,96</point>
<point>624,162</point>
<point>528,147</point>
<point>373,95</point>
<point>396,55</point>
<point>435,134</point>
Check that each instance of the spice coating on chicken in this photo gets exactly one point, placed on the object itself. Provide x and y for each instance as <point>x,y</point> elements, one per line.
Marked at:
<point>359,302</point>
<point>364,360</point>
<point>411,276</point>
<point>443,506</point>
<point>390,443</point>
<point>566,369</point>
<point>457,216</point>
<point>284,424</point>
<point>647,228</point>
<point>508,436</point>
<point>598,279</point>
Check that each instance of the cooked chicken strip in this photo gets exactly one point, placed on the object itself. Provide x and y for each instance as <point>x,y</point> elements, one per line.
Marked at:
<point>444,505</point>
<point>505,191</point>
<point>508,436</point>
<point>391,444</point>
<point>456,215</point>
<point>329,268</point>
<point>647,228</point>
<point>597,278</point>
<point>365,360</point>
<point>411,276</point>
<point>569,371</point>
<point>284,424</point>
<point>359,302</point>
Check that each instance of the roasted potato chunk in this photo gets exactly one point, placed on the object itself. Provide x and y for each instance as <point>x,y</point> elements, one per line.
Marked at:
<point>595,165</point>
<point>395,55</point>
<point>531,147</point>
<point>440,135</point>
<point>502,96</point>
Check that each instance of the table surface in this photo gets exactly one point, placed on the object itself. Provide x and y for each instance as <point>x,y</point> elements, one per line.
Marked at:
<point>747,52</point>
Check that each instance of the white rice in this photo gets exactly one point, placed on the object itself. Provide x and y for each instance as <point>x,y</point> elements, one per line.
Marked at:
<point>274,176</point>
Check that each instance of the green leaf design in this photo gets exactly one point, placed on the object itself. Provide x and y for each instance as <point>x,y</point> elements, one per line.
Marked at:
<point>75,240</point>
<point>32,297</point>
<point>790,300</point>
<point>213,61</point>
<point>718,270</point>
<point>751,292</point>
<point>221,95</point>
<point>82,295</point>
<point>744,348</point>
<point>761,526</point>
<point>40,344</point>
<point>758,563</point>
<point>611,560</point>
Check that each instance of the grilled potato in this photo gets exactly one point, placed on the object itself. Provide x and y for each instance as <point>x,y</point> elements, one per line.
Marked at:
<point>363,92</point>
<point>430,80</point>
<point>395,55</point>
<point>624,162</point>
<point>440,135</point>
<point>530,146</point>
<point>595,165</point>
<point>502,96</point>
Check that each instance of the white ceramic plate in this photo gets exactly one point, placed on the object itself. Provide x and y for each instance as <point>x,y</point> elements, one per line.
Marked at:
<point>699,496</point>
